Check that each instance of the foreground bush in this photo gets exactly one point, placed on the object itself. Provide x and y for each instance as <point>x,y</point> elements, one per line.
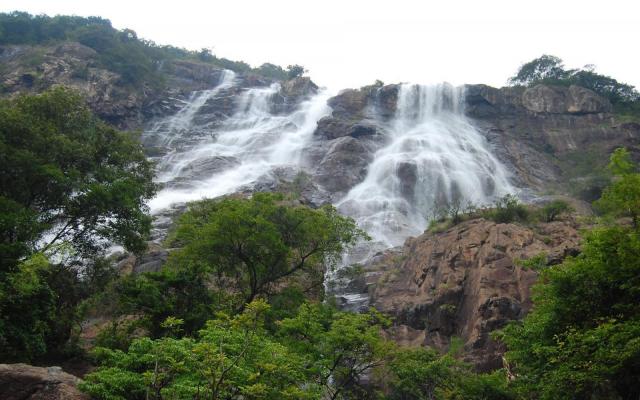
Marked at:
<point>582,339</point>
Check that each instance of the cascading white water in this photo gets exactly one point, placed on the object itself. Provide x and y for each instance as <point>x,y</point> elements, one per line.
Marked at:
<point>434,156</point>
<point>176,128</point>
<point>247,145</point>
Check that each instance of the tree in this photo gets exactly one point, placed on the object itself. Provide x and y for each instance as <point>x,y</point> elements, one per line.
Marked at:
<point>272,71</point>
<point>423,374</point>
<point>543,68</point>
<point>206,55</point>
<point>295,71</point>
<point>622,197</point>
<point>581,341</point>
<point>339,348</point>
<point>69,183</point>
<point>318,353</point>
<point>251,246</point>
<point>551,211</point>
<point>550,69</point>
<point>67,178</point>
<point>232,358</point>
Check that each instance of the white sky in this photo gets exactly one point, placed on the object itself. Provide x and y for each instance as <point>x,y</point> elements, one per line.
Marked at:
<point>350,43</point>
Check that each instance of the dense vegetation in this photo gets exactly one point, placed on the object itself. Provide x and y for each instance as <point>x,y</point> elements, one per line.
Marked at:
<point>68,184</point>
<point>550,69</point>
<point>138,61</point>
<point>582,340</point>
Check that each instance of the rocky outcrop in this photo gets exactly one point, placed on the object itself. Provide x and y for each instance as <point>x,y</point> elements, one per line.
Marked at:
<point>151,260</point>
<point>561,100</point>
<point>464,283</point>
<point>32,69</point>
<point>36,68</point>
<point>544,132</point>
<point>26,382</point>
<point>293,91</point>
<point>346,140</point>
<point>344,165</point>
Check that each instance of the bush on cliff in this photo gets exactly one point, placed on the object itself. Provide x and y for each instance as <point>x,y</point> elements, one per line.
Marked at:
<point>550,70</point>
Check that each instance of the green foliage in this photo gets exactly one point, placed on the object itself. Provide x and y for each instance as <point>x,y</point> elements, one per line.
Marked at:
<point>295,71</point>
<point>318,352</point>
<point>422,374</point>
<point>622,197</point>
<point>508,209</point>
<point>181,293</point>
<point>581,341</point>
<point>541,69</point>
<point>550,69</point>
<point>68,175</point>
<point>138,61</point>
<point>551,211</point>
<point>68,182</point>
<point>231,252</point>
<point>537,262</point>
<point>340,348</point>
<point>272,71</point>
<point>250,246</point>
<point>26,308</point>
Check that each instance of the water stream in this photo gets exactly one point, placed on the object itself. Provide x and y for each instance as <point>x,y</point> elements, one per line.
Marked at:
<point>242,148</point>
<point>432,156</point>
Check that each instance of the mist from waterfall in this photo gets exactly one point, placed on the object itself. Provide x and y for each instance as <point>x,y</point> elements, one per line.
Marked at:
<point>434,157</point>
<point>244,147</point>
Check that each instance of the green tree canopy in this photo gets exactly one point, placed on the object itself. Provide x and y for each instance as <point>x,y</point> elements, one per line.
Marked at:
<point>68,178</point>
<point>543,68</point>
<point>550,69</point>
<point>69,184</point>
<point>582,339</point>
<point>294,71</point>
<point>250,246</point>
<point>622,197</point>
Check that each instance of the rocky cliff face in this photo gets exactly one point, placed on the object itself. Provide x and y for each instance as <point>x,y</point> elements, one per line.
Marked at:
<point>464,283</point>
<point>543,132</point>
<point>32,69</point>
<point>26,382</point>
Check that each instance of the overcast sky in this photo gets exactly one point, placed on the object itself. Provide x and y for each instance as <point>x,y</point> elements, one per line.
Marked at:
<point>350,43</point>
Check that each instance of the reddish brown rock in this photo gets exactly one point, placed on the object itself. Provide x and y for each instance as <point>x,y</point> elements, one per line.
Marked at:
<point>465,283</point>
<point>26,382</point>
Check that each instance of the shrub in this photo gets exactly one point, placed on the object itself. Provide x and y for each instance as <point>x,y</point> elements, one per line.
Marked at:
<point>551,211</point>
<point>508,209</point>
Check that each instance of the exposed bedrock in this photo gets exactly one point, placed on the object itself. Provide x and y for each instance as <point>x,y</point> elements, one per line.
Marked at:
<point>26,382</point>
<point>542,132</point>
<point>465,282</point>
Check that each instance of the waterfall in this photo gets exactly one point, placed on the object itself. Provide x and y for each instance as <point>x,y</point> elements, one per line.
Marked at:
<point>431,156</point>
<point>175,129</point>
<point>236,152</point>
<point>434,156</point>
